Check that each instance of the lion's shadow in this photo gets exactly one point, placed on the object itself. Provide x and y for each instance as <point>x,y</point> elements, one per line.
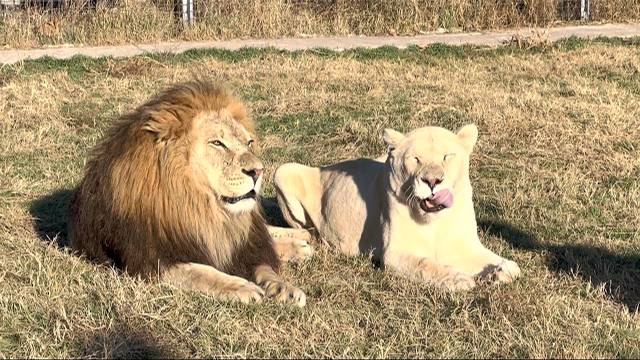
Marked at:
<point>49,215</point>
<point>620,274</point>
<point>123,341</point>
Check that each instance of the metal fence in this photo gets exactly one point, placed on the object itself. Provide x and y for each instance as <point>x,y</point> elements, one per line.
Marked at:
<point>184,9</point>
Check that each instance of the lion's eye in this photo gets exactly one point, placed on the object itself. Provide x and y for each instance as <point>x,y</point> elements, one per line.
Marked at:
<point>250,143</point>
<point>449,156</point>
<point>218,143</point>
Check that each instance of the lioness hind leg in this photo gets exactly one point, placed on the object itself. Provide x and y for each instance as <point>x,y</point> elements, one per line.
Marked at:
<point>192,276</point>
<point>291,244</point>
<point>298,191</point>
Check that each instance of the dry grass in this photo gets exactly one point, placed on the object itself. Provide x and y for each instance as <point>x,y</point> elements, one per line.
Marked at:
<point>134,21</point>
<point>556,189</point>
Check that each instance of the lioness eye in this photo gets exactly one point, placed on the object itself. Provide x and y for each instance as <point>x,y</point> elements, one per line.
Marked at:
<point>449,156</point>
<point>250,143</point>
<point>218,143</point>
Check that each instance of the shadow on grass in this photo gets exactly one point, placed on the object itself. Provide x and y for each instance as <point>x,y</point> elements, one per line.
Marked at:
<point>272,212</point>
<point>50,216</point>
<point>619,273</point>
<point>123,342</point>
<point>119,341</point>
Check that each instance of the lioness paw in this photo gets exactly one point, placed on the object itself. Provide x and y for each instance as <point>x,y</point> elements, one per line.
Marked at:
<point>285,293</point>
<point>301,250</point>
<point>507,272</point>
<point>445,276</point>
<point>292,248</point>
<point>458,282</point>
<point>246,293</point>
<point>504,272</point>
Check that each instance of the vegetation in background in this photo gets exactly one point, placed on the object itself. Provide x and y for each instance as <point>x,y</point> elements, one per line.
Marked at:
<point>92,22</point>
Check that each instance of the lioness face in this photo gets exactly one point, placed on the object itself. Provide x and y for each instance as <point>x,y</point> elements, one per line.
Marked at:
<point>224,150</point>
<point>426,166</point>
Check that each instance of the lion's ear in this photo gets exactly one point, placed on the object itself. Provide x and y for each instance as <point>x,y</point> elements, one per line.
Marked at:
<point>468,136</point>
<point>392,138</point>
<point>239,113</point>
<point>163,125</point>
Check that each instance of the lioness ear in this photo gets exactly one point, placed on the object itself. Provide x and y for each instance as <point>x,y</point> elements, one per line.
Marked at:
<point>392,138</point>
<point>468,136</point>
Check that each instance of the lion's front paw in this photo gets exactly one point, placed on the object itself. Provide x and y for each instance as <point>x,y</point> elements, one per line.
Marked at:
<point>245,292</point>
<point>285,293</point>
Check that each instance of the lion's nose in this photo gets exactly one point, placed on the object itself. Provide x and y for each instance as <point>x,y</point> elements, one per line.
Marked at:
<point>254,173</point>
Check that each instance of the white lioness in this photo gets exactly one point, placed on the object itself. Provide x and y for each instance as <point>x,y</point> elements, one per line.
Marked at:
<point>411,209</point>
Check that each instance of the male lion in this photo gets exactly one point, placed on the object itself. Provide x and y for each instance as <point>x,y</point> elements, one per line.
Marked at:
<point>172,192</point>
<point>411,209</point>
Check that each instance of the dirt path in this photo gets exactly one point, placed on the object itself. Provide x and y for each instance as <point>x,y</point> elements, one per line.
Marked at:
<point>334,43</point>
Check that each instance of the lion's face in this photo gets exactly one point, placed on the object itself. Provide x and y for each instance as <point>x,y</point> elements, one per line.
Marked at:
<point>429,166</point>
<point>224,152</point>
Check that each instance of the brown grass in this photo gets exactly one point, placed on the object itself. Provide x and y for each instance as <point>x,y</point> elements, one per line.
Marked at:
<point>135,21</point>
<point>555,176</point>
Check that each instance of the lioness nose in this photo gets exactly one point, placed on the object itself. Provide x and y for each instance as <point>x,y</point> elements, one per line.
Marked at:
<point>254,173</point>
<point>432,181</point>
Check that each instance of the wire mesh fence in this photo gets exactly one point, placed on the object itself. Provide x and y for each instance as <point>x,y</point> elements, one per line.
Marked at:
<point>188,10</point>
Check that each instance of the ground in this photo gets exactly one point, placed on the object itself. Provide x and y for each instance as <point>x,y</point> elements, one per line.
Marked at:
<point>555,178</point>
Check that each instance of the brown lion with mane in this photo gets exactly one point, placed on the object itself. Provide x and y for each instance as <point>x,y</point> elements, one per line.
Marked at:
<point>172,191</point>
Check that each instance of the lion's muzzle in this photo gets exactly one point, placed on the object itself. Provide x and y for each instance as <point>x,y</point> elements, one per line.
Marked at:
<point>253,173</point>
<point>232,200</point>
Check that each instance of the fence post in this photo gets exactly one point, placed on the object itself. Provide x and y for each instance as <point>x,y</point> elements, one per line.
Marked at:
<point>188,16</point>
<point>10,3</point>
<point>584,10</point>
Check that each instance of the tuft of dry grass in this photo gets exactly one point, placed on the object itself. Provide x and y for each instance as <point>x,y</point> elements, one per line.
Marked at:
<point>134,21</point>
<point>555,184</point>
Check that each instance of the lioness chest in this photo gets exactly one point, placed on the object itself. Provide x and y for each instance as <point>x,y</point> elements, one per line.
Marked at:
<point>435,240</point>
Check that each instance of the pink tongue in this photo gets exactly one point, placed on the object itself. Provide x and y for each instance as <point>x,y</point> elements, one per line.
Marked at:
<point>443,198</point>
